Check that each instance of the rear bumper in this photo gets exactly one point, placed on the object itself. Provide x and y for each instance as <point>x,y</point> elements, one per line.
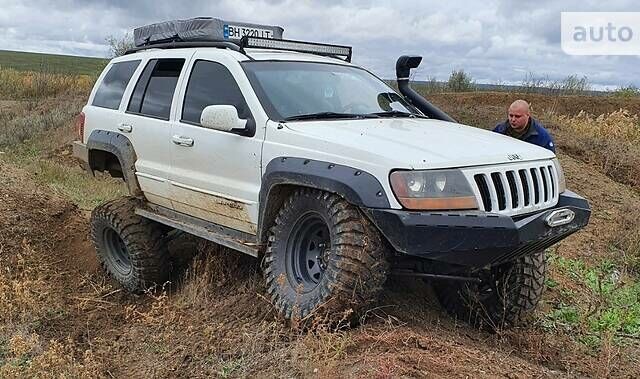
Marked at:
<point>476,239</point>
<point>81,153</point>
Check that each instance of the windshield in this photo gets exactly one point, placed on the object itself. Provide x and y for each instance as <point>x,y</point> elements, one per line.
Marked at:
<point>297,90</point>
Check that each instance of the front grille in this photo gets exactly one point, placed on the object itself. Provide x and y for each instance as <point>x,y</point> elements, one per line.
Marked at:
<point>516,188</point>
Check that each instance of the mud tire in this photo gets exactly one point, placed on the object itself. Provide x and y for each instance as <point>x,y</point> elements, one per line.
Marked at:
<point>355,264</point>
<point>131,249</point>
<point>505,298</point>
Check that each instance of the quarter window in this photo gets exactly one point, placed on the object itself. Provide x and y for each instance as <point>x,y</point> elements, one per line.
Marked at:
<point>110,91</point>
<point>211,84</point>
<point>155,88</point>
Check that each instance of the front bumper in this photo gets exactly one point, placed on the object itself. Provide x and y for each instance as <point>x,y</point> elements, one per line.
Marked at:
<point>476,239</point>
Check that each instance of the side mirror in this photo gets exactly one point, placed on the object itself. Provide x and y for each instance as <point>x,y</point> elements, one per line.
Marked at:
<point>222,117</point>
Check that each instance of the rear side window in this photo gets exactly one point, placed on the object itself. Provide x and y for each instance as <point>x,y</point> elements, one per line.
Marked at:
<point>211,84</point>
<point>110,91</point>
<point>154,91</point>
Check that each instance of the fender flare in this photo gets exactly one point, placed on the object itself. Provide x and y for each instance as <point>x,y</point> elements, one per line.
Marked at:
<point>358,187</point>
<point>120,146</point>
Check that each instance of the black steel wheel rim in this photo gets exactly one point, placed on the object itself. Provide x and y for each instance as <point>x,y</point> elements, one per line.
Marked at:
<point>306,252</point>
<point>117,253</point>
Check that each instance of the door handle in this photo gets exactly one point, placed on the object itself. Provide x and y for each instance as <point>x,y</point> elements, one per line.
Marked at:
<point>182,141</point>
<point>126,128</point>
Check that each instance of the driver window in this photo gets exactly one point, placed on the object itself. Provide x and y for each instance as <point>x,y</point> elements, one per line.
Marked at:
<point>211,83</point>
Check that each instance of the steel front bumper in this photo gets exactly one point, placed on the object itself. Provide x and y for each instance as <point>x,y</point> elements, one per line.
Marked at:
<point>477,239</point>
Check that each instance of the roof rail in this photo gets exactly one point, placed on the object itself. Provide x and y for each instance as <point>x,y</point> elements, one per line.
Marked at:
<point>181,45</point>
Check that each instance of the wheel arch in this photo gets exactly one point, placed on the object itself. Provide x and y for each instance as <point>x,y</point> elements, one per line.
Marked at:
<point>283,175</point>
<point>113,152</point>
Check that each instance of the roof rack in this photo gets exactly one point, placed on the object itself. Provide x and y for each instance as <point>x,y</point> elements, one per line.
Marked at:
<point>213,32</point>
<point>334,51</point>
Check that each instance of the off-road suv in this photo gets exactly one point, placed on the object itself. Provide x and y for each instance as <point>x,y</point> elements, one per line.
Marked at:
<point>286,151</point>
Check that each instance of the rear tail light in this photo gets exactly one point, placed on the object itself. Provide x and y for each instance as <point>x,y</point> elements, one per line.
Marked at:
<point>80,127</point>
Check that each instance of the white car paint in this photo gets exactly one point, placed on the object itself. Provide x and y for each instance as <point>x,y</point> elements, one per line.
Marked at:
<point>219,177</point>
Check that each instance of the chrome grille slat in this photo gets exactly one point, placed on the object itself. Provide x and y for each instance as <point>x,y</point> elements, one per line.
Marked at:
<point>514,189</point>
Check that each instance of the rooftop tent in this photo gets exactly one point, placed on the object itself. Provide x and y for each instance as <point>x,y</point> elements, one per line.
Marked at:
<point>202,29</point>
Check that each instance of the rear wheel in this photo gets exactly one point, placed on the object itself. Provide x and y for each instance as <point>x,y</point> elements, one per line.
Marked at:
<point>131,249</point>
<point>504,297</point>
<point>323,255</point>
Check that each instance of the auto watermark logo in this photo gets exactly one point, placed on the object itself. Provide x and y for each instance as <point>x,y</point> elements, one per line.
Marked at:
<point>600,33</point>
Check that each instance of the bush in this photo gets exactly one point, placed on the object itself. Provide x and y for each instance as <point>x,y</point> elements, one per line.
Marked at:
<point>627,92</point>
<point>119,46</point>
<point>571,85</point>
<point>460,81</point>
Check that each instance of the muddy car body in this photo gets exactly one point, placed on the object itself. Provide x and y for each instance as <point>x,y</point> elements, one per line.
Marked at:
<point>288,152</point>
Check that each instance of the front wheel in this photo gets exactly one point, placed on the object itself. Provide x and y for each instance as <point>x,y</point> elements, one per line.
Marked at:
<point>504,297</point>
<point>323,254</point>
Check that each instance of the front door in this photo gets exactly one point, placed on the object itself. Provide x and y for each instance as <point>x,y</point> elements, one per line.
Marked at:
<point>215,174</point>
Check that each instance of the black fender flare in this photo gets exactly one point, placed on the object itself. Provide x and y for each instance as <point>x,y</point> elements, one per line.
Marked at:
<point>120,146</point>
<point>357,186</point>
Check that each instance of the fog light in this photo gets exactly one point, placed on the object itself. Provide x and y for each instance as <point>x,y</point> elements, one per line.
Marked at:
<point>560,217</point>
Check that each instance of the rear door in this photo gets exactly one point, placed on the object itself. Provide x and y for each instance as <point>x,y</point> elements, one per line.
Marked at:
<point>146,122</point>
<point>216,174</point>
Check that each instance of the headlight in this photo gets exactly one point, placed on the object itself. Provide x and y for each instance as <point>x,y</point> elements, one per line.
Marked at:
<point>562,184</point>
<point>433,190</point>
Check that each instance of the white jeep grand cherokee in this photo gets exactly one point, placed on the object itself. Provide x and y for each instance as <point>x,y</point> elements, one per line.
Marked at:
<point>286,151</point>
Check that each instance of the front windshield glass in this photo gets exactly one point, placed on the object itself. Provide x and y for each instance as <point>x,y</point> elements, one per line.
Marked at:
<point>292,90</point>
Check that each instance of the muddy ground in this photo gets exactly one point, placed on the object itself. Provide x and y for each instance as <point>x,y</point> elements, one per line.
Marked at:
<point>214,320</point>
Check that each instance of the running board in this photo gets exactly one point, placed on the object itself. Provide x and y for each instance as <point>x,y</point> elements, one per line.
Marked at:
<point>231,238</point>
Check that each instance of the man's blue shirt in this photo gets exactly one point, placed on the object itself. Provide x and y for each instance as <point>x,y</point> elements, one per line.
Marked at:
<point>536,134</point>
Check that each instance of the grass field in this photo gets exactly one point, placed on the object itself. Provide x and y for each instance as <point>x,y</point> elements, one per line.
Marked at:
<point>59,64</point>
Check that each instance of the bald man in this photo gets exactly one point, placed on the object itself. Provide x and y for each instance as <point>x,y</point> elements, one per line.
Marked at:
<point>522,126</point>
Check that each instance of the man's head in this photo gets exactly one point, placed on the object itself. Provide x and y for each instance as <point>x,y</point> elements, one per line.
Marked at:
<point>519,115</point>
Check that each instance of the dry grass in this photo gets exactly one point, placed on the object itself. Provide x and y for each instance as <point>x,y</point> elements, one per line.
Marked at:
<point>611,141</point>
<point>30,119</point>
<point>626,238</point>
<point>40,84</point>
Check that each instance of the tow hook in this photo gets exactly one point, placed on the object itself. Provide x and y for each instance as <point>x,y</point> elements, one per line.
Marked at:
<point>560,217</point>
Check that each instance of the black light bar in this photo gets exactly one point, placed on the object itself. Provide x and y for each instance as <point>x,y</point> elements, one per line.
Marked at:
<point>298,46</point>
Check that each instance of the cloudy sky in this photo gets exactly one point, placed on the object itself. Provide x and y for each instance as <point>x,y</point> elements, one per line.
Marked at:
<point>496,41</point>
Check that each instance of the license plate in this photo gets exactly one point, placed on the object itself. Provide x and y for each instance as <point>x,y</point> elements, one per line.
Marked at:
<point>237,32</point>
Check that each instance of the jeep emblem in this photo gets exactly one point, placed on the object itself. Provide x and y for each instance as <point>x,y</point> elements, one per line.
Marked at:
<point>514,157</point>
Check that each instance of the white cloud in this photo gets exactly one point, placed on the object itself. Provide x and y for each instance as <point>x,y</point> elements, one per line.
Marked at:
<point>496,40</point>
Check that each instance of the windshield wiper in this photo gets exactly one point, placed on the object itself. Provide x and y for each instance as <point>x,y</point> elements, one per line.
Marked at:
<point>397,114</point>
<point>323,115</point>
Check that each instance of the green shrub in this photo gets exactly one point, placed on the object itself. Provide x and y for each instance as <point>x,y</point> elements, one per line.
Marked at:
<point>460,81</point>
<point>627,92</point>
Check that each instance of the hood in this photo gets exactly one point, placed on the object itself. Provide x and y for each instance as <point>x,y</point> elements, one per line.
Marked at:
<point>416,143</point>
